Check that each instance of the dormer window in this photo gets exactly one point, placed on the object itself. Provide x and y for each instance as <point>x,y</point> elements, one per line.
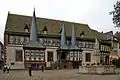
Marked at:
<point>45,30</point>
<point>26,28</point>
<point>115,39</point>
<point>82,34</point>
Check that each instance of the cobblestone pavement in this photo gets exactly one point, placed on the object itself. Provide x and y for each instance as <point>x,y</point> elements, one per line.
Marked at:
<point>54,75</point>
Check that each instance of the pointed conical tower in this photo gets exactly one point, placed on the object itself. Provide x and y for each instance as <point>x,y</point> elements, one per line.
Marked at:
<point>63,44</point>
<point>74,45</point>
<point>33,35</point>
<point>33,47</point>
<point>33,31</point>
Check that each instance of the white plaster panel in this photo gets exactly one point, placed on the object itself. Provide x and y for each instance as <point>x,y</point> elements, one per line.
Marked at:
<point>83,57</point>
<point>10,50</point>
<point>48,64</point>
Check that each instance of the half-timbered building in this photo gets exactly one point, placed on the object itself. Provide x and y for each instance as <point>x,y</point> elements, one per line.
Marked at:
<point>52,43</point>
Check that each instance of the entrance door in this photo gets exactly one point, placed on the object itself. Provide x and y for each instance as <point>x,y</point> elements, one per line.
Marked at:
<point>33,66</point>
<point>50,56</point>
<point>63,55</point>
<point>107,60</point>
<point>76,64</point>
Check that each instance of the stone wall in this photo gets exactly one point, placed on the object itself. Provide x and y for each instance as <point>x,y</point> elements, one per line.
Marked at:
<point>102,69</point>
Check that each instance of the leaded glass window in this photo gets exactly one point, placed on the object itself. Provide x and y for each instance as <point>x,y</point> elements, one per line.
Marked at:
<point>83,43</point>
<point>71,54</point>
<point>11,39</point>
<point>26,39</point>
<point>41,40</point>
<point>21,39</point>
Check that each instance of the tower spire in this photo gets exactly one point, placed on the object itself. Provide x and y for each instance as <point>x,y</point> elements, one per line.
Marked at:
<point>33,32</point>
<point>63,38</point>
<point>33,35</point>
<point>73,39</point>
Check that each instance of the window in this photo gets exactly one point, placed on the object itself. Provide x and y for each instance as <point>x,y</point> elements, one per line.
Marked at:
<point>11,39</point>
<point>19,55</point>
<point>42,55</point>
<point>58,43</point>
<point>41,40</point>
<point>49,41</point>
<point>83,44</point>
<point>71,54</point>
<point>37,55</point>
<point>44,41</point>
<point>114,44</point>
<point>17,39</point>
<point>26,39</point>
<point>21,39</point>
<point>80,55</point>
<point>27,53</point>
<point>101,47</point>
<point>76,54</point>
<point>88,57</point>
<point>12,63</point>
<point>26,28</point>
<point>45,30</point>
<point>90,45</point>
<point>50,56</point>
<point>32,53</point>
<point>86,44</point>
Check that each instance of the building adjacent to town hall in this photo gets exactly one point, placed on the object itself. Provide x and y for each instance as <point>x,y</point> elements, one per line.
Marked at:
<point>1,55</point>
<point>52,43</point>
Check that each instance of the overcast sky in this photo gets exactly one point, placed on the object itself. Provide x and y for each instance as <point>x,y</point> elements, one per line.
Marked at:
<point>95,13</point>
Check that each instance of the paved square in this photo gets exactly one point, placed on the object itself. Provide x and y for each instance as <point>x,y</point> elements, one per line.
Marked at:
<point>54,75</point>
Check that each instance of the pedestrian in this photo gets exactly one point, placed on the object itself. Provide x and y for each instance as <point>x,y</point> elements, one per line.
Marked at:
<point>4,68</point>
<point>8,68</point>
<point>39,67</point>
<point>42,68</point>
<point>30,70</point>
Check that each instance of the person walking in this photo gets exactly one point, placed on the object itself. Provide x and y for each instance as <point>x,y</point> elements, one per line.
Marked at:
<point>30,70</point>
<point>4,68</point>
<point>8,68</point>
<point>42,68</point>
<point>39,67</point>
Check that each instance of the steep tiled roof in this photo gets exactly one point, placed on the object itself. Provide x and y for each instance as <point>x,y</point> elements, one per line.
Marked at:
<point>34,44</point>
<point>109,35</point>
<point>117,34</point>
<point>16,23</point>
<point>73,39</point>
